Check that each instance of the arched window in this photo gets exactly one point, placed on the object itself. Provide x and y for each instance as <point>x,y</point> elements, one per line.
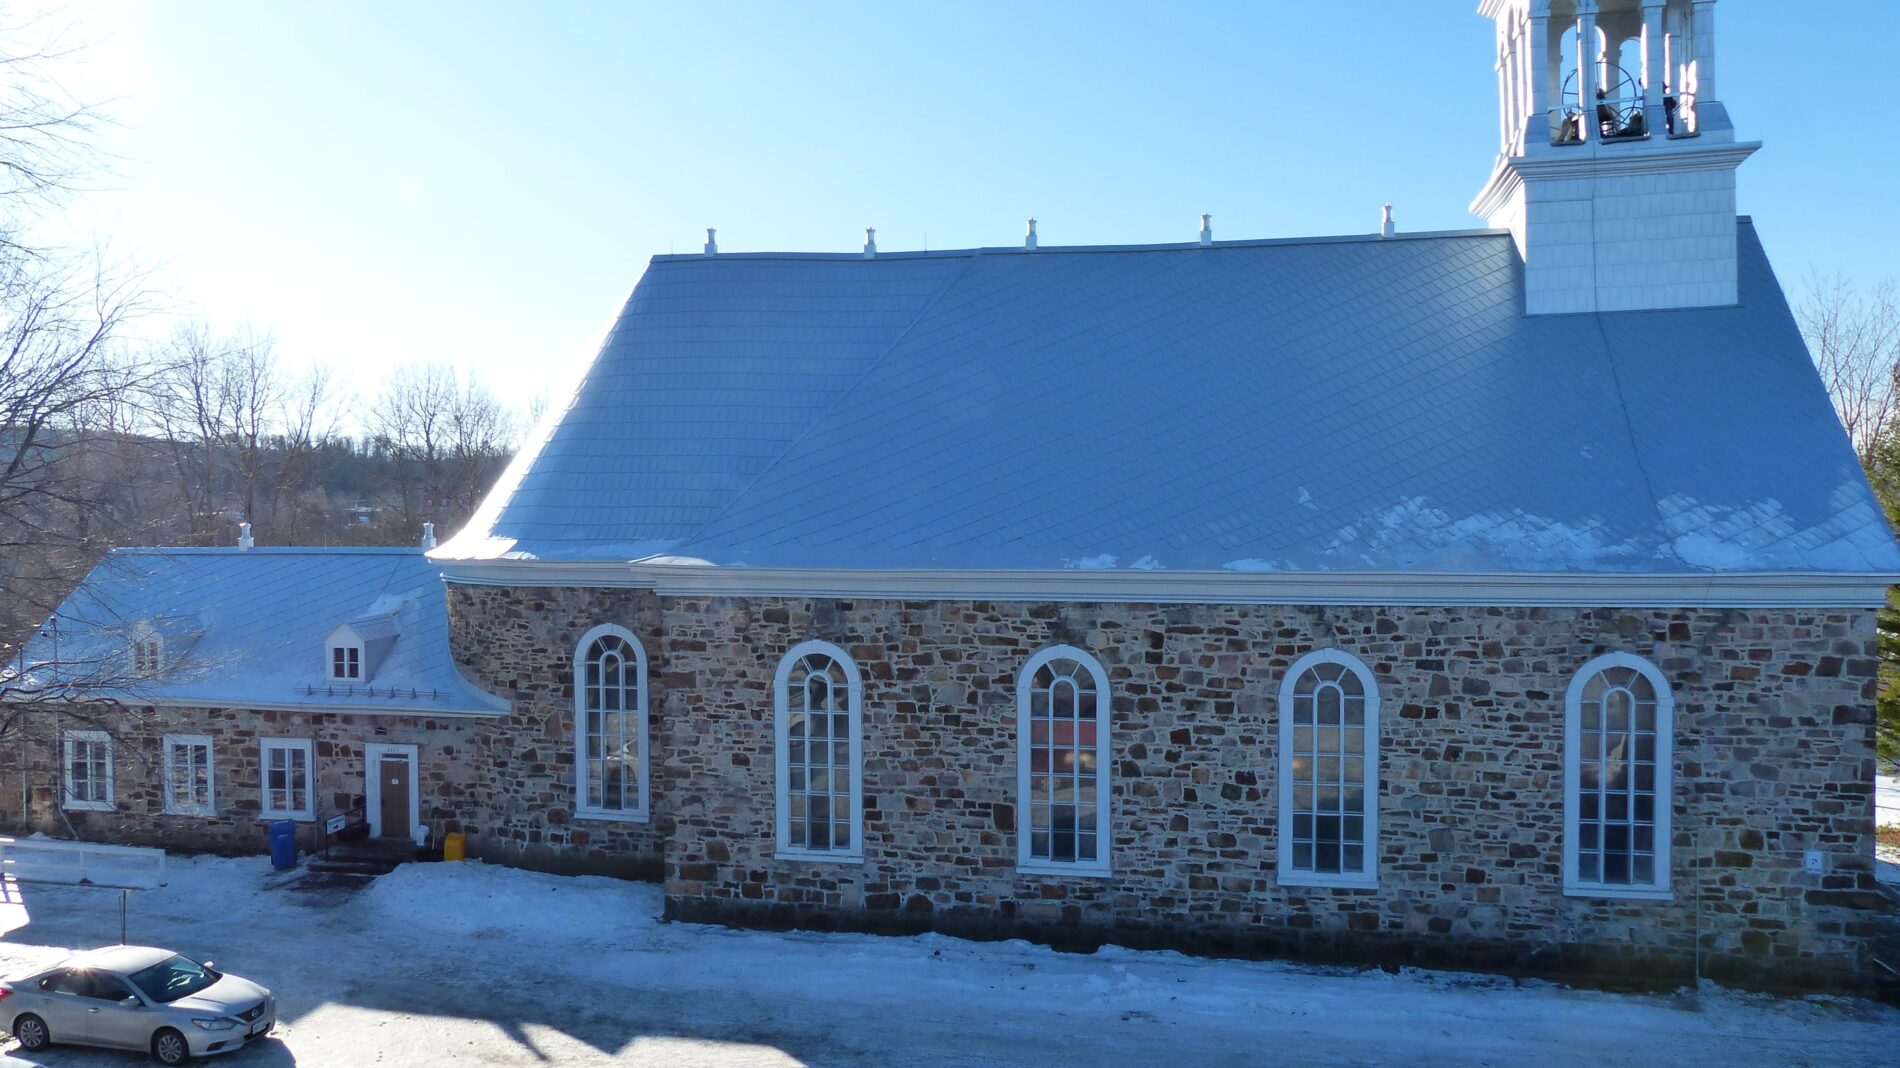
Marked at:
<point>1062,724</point>
<point>817,695</point>
<point>1619,718</point>
<point>1329,772</point>
<point>610,726</point>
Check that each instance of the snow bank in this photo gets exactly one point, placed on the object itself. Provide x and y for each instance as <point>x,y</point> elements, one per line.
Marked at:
<point>471,898</point>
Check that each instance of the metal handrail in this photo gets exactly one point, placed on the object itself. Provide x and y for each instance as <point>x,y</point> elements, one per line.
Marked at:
<point>11,850</point>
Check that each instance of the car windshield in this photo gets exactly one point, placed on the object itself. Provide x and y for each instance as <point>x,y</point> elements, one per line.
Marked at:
<point>176,977</point>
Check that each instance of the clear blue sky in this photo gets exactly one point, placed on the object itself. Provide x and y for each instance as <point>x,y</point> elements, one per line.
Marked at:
<point>482,183</point>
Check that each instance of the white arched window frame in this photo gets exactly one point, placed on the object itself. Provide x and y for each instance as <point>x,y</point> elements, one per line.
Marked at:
<point>1065,814</point>
<point>610,718</point>
<point>1619,755</point>
<point>819,817</point>
<point>1329,772</point>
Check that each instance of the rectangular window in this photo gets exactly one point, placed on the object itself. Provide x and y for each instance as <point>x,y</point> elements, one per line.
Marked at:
<point>346,662</point>
<point>86,770</point>
<point>289,789</point>
<point>188,781</point>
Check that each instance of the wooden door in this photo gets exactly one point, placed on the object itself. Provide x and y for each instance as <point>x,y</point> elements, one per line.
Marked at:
<point>394,772</point>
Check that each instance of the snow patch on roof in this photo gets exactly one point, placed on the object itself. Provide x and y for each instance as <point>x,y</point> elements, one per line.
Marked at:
<point>1414,534</point>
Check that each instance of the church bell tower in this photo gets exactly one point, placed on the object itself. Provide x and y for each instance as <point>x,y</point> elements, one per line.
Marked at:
<point>1616,159</point>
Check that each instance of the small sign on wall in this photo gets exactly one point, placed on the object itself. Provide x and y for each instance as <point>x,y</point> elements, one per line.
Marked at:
<point>334,825</point>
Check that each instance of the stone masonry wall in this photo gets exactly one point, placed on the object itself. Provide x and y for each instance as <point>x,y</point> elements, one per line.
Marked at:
<point>519,643</point>
<point>1773,757</point>
<point>139,816</point>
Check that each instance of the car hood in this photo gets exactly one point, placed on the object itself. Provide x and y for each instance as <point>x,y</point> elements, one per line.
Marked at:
<point>230,994</point>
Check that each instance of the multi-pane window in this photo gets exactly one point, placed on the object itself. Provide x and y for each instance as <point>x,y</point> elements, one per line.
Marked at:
<point>188,785</point>
<point>1617,730</point>
<point>1062,711</point>
<point>817,694</point>
<point>86,770</point>
<point>610,725</point>
<point>1329,772</point>
<point>288,787</point>
<point>145,656</point>
<point>346,662</point>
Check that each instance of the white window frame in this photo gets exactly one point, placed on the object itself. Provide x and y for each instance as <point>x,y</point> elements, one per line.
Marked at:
<point>1658,889</point>
<point>583,810</point>
<point>336,673</point>
<point>781,754</point>
<point>1368,875</point>
<point>148,653</point>
<point>68,740</point>
<point>309,750</point>
<point>1026,862</point>
<point>173,806</point>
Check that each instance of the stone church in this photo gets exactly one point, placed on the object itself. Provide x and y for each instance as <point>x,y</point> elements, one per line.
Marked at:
<point>1499,598</point>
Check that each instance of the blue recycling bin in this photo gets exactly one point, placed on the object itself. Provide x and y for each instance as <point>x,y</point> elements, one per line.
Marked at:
<point>283,844</point>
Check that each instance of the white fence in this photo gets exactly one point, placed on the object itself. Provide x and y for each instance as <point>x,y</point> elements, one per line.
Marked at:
<point>51,860</point>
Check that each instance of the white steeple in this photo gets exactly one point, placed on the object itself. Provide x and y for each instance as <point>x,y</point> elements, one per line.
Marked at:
<point>1616,159</point>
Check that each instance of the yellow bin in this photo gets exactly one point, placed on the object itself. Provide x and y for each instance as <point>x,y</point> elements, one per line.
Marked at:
<point>453,845</point>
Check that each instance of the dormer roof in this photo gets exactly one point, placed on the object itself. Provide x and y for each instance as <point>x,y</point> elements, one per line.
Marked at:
<point>366,629</point>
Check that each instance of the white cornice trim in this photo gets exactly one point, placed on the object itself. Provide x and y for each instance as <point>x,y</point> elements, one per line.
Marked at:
<point>1596,160</point>
<point>311,705</point>
<point>1731,590</point>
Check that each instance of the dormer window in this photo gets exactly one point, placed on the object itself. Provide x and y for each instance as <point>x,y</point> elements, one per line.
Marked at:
<point>357,649</point>
<point>346,662</point>
<point>145,656</point>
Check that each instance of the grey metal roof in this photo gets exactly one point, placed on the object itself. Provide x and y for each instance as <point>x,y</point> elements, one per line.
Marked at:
<point>1330,404</point>
<point>266,615</point>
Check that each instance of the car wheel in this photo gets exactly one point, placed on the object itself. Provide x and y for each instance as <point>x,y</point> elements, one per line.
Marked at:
<point>168,1047</point>
<point>31,1031</point>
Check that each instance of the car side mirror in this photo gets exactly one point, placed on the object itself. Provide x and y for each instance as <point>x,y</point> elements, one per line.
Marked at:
<point>130,1001</point>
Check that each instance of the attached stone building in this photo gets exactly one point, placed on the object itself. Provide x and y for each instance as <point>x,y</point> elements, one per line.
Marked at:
<point>1499,598</point>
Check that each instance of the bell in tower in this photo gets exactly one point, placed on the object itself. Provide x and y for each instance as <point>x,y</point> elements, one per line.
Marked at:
<point>1616,160</point>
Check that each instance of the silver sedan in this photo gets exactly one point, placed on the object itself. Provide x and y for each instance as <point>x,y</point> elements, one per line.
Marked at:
<point>137,997</point>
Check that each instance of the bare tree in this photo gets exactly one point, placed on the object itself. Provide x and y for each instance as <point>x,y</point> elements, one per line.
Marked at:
<point>448,438</point>
<point>1854,337</point>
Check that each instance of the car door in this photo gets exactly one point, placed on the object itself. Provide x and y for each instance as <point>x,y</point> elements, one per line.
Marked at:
<point>63,1004</point>
<point>113,1023</point>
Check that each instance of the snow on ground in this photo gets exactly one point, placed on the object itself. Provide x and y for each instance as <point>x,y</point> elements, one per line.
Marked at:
<point>477,965</point>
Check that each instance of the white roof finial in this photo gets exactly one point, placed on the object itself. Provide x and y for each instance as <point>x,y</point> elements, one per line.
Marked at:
<point>1029,239</point>
<point>244,537</point>
<point>1207,229</point>
<point>712,246</point>
<point>428,536</point>
<point>870,242</point>
<point>1386,228</point>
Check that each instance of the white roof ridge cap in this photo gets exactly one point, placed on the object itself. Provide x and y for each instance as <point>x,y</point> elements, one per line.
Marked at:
<point>1045,250</point>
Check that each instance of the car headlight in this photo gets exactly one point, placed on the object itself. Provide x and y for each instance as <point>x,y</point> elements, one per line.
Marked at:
<point>215,1025</point>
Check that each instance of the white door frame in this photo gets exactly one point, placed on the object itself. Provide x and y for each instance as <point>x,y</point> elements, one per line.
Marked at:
<point>373,753</point>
